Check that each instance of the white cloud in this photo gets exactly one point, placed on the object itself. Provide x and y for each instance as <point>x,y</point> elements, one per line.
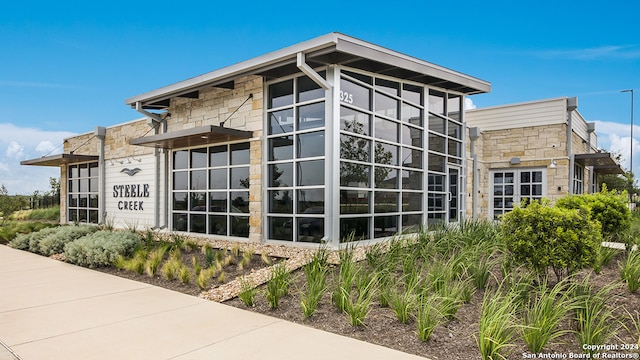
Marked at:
<point>609,51</point>
<point>14,150</point>
<point>22,143</point>
<point>45,147</point>
<point>616,138</point>
<point>468,104</point>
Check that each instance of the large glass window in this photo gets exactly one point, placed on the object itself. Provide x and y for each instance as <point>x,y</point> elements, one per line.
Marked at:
<point>82,193</point>
<point>211,190</point>
<point>381,152</point>
<point>445,148</point>
<point>510,187</point>
<point>296,160</point>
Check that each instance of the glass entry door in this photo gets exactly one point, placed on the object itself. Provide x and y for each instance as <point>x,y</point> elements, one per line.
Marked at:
<point>454,210</point>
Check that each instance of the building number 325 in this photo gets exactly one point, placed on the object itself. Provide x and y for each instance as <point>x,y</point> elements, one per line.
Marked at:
<point>346,97</point>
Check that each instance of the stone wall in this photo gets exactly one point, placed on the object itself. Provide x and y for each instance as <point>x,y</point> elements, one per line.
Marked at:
<point>215,105</point>
<point>536,147</point>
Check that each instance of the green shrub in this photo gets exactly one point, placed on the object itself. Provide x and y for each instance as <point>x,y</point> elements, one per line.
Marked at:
<point>12,229</point>
<point>101,248</point>
<point>607,207</point>
<point>23,241</point>
<point>542,237</point>
<point>54,243</point>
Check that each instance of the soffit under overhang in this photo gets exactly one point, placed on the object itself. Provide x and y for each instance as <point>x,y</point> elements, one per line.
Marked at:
<point>60,159</point>
<point>602,162</point>
<point>203,135</point>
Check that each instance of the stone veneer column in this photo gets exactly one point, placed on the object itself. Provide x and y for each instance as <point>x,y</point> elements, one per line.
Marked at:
<point>255,191</point>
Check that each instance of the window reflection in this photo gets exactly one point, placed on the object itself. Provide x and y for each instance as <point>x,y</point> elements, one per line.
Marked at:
<point>311,144</point>
<point>311,116</point>
<point>239,202</point>
<point>199,158</point>
<point>355,148</point>
<point>385,201</point>
<point>308,89</point>
<point>386,106</point>
<point>217,225</point>
<point>385,226</point>
<point>386,178</point>
<point>411,201</point>
<point>218,201</point>
<point>388,86</point>
<point>354,121</point>
<point>411,114</point>
<point>281,175</point>
<point>354,175</point>
<point>311,173</point>
<point>281,94</point>
<point>218,179</point>
<point>180,159</point>
<point>411,158</point>
<point>412,93</point>
<point>281,148</point>
<point>411,180</point>
<point>354,229</point>
<point>180,180</point>
<point>281,228</point>
<point>386,130</point>
<point>310,229</point>
<point>311,201</point>
<point>239,226</point>
<point>281,121</point>
<point>386,154</point>
<point>218,156</point>
<point>240,154</point>
<point>239,178</point>
<point>281,201</point>
<point>354,201</point>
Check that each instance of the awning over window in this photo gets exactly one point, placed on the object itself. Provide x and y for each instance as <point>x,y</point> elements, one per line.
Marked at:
<point>602,162</point>
<point>60,159</point>
<point>192,137</point>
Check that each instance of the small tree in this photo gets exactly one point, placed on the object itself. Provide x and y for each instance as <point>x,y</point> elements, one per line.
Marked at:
<point>541,237</point>
<point>8,204</point>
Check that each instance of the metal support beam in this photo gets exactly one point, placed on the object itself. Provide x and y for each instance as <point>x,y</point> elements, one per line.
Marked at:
<point>307,70</point>
<point>155,118</point>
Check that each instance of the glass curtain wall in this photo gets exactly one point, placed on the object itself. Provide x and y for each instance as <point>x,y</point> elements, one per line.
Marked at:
<point>381,156</point>
<point>210,190</point>
<point>445,147</point>
<point>82,189</point>
<point>295,154</point>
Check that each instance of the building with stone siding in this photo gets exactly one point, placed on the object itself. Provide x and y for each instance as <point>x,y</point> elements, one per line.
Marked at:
<point>528,151</point>
<point>330,139</point>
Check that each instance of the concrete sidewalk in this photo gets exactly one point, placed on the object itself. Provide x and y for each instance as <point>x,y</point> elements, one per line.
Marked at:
<point>53,310</point>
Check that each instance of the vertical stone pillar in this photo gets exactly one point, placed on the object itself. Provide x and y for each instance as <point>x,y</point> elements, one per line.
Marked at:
<point>255,191</point>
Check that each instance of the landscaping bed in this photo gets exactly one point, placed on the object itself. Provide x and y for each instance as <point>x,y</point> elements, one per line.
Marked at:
<point>452,340</point>
<point>426,295</point>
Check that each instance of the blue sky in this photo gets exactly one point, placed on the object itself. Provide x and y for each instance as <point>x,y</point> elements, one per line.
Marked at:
<point>67,67</point>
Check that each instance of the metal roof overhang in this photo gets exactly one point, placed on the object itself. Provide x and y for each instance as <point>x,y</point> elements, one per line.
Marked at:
<point>602,162</point>
<point>60,159</point>
<point>333,48</point>
<point>192,137</point>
